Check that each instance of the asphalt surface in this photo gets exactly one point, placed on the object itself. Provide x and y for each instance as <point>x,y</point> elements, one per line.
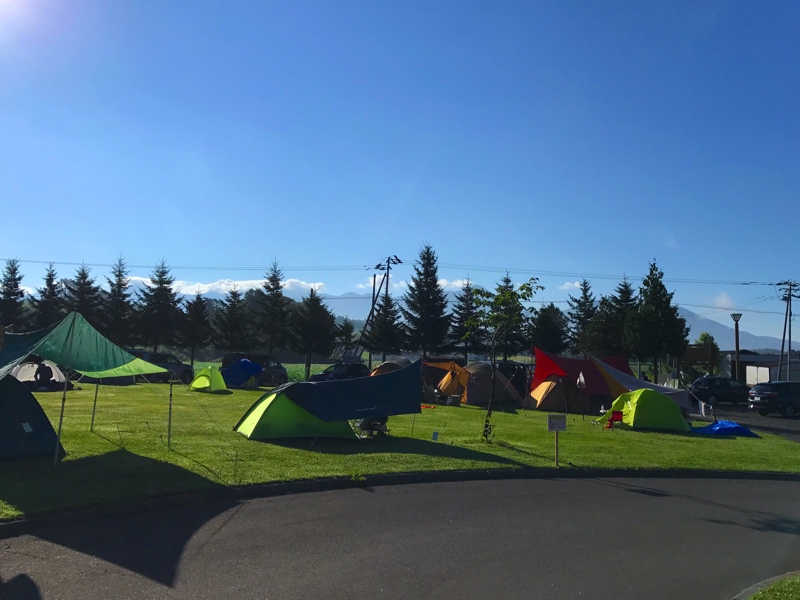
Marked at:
<point>597,538</point>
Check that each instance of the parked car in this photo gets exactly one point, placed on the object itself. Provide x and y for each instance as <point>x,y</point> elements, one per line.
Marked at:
<point>713,390</point>
<point>776,397</point>
<point>274,372</point>
<point>176,368</point>
<point>342,371</point>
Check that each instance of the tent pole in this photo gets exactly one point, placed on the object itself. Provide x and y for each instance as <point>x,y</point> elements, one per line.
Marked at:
<point>64,393</point>
<point>94,406</point>
<point>169,421</point>
<point>413,418</point>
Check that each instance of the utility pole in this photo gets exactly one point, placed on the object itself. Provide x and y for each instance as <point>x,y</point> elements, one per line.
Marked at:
<point>788,293</point>
<point>387,269</point>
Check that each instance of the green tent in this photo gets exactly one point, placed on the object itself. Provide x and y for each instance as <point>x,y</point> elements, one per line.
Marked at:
<point>209,380</point>
<point>25,430</point>
<point>73,343</point>
<point>275,415</point>
<point>647,409</point>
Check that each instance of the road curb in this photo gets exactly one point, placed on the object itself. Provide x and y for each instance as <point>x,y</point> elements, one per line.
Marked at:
<point>744,594</point>
<point>16,527</point>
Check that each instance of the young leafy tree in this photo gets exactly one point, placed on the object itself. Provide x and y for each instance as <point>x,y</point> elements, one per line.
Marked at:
<point>461,336</point>
<point>386,333</point>
<point>232,324</point>
<point>506,320</point>
<point>159,308</point>
<point>550,329</point>
<point>656,330</point>
<point>274,312</point>
<point>83,295</point>
<point>425,311</point>
<point>48,307</point>
<point>581,312</point>
<point>502,315</point>
<point>313,329</point>
<point>118,311</point>
<point>12,296</point>
<point>196,328</point>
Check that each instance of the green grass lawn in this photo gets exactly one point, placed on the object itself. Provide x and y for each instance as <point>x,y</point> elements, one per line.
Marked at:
<point>126,456</point>
<point>786,589</point>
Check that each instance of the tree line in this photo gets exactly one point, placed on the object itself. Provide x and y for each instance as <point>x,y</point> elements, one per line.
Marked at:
<point>641,323</point>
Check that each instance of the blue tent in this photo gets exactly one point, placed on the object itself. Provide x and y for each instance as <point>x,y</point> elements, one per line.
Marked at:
<point>240,372</point>
<point>725,428</point>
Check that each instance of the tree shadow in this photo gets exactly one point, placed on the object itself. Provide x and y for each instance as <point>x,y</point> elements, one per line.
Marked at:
<point>391,444</point>
<point>115,528</point>
<point>20,587</point>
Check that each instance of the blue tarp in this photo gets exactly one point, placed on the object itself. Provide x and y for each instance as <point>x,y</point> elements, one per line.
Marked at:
<point>395,393</point>
<point>725,428</point>
<point>238,373</point>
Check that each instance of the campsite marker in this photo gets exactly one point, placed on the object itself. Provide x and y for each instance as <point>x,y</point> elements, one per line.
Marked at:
<point>556,423</point>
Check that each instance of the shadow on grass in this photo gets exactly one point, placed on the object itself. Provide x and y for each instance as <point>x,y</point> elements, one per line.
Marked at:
<point>149,543</point>
<point>390,444</point>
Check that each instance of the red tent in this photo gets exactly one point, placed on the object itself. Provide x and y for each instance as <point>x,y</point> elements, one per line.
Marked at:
<point>560,376</point>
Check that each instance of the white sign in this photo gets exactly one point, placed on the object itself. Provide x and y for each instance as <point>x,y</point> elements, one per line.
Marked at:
<point>556,422</point>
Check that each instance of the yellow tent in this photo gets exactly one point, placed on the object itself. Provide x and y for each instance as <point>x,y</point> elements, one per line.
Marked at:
<point>209,380</point>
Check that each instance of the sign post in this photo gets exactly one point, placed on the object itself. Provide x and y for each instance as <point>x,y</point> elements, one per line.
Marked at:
<point>556,423</point>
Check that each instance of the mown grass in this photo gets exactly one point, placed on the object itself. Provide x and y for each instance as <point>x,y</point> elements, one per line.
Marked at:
<point>786,589</point>
<point>126,456</point>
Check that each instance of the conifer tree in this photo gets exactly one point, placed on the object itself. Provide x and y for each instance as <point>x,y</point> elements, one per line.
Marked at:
<point>12,297</point>
<point>606,333</point>
<point>462,333</point>
<point>425,311</point>
<point>196,330</point>
<point>550,329</point>
<point>158,306</point>
<point>48,307</point>
<point>274,311</point>
<point>118,309</point>
<point>82,295</point>
<point>313,329</point>
<point>386,334</point>
<point>580,314</point>
<point>233,331</point>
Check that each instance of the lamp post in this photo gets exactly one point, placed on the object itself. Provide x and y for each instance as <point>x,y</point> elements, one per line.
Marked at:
<point>736,317</point>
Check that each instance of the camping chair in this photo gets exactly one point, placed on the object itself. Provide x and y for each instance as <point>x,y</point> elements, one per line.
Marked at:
<point>616,417</point>
<point>373,426</point>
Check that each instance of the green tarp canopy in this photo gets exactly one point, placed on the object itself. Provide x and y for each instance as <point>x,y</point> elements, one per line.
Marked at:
<point>73,343</point>
<point>647,409</point>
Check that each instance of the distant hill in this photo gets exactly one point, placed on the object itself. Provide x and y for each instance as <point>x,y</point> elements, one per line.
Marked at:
<point>725,336</point>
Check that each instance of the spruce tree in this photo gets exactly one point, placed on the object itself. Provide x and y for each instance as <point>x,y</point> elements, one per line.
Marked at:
<point>118,309</point>
<point>425,310</point>
<point>463,333</point>
<point>313,329</point>
<point>656,330</point>
<point>82,295</point>
<point>12,297</point>
<point>386,333</point>
<point>606,333</point>
<point>580,314</point>
<point>233,331</point>
<point>159,308</point>
<point>550,329</point>
<point>274,311</point>
<point>48,307</point>
<point>196,330</point>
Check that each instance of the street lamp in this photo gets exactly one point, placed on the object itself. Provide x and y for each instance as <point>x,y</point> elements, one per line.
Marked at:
<point>736,317</point>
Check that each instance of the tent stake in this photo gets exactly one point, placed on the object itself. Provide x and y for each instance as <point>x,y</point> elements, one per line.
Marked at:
<point>94,406</point>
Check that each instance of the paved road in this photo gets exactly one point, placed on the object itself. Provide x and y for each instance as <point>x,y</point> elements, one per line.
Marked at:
<point>543,539</point>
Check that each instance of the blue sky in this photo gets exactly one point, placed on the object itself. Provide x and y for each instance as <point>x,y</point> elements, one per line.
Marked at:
<point>552,139</point>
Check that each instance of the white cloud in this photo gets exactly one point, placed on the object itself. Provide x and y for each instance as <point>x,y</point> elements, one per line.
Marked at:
<point>570,285</point>
<point>297,285</point>
<point>393,285</point>
<point>222,286</point>
<point>723,301</point>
